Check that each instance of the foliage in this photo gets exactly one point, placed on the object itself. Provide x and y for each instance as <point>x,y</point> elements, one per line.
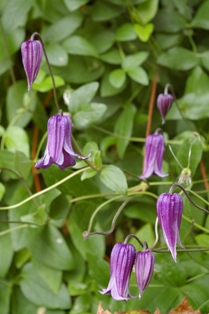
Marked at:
<point>110,59</point>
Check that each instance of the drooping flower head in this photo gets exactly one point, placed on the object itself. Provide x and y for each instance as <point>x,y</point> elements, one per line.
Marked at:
<point>169,212</point>
<point>121,264</point>
<point>59,149</point>
<point>31,57</point>
<point>164,103</point>
<point>144,267</point>
<point>154,150</point>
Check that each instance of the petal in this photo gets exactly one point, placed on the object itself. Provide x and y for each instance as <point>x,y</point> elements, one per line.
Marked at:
<point>150,156</point>
<point>56,134</point>
<point>31,57</point>
<point>159,157</point>
<point>45,161</point>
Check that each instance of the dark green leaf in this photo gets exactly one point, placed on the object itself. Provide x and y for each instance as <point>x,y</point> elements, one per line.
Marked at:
<point>179,59</point>
<point>201,18</point>
<point>75,4</point>
<point>5,293</point>
<point>112,56</point>
<point>103,11</point>
<point>125,32</point>
<point>57,55</point>
<point>139,75</point>
<point>134,60</point>
<point>173,20</point>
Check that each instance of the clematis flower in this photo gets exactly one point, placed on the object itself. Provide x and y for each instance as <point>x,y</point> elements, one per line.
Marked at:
<point>154,150</point>
<point>121,264</point>
<point>59,149</point>
<point>144,267</point>
<point>169,212</point>
<point>31,57</point>
<point>164,103</point>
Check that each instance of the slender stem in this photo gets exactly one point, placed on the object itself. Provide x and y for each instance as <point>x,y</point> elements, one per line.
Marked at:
<point>86,234</point>
<point>188,196</point>
<point>151,104</point>
<point>13,229</point>
<point>135,237</point>
<point>195,224</point>
<point>49,67</point>
<point>45,190</point>
<point>22,181</point>
<point>156,235</point>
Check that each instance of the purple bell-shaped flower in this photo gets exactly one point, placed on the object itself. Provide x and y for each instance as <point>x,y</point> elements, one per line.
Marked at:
<point>144,268</point>
<point>154,150</point>
<point>169,213</point>
<point>164,103</point>
<point>31,57</point>
<point>59,149</point>
<point>121,264</point>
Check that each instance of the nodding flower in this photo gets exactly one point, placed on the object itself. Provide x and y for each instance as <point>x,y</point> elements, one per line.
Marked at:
<point>121,264</point>
<point>164,103</point>
<point>31,57</point>
<point>154,150</point>
<point>59,149</point>
<point>169,211</point>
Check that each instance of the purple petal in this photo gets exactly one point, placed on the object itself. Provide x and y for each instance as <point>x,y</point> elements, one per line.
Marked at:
<point>164,103</point>
<point>144,267</point>
<point>159,157</point>
<point>31,57</point>
<point>56,135</point>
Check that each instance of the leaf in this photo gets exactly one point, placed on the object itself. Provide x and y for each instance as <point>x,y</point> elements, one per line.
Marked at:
<point>107,89</point>
<point>15,13</point>
<point>102,40</point>
<point>14,39</point>
<point>147,10</point>
<point>90,114</point>
<point>82,96</point>
<point>139,75</point>
<point>56,252</point>
<point>38,292</point>
<point>39,217</point>
<point>201,18</point>
<point>16,139</point>
<point>62,28</point>
<point>47,85</point>
<point>117,78</point>
<point>103,11</point>
<point>134,60</point>
<point>144,32</point>
<point>73,5</point>
<point>172,19</point>
<point>184,308</point>
<point>114,179</point>
<point>57,55</point>
<point>79,46</point>
<point>123,127</point>
<point>23,164</point>
<point>112,56</point>
<point>125,32</point>
<point>5,294</point>
<point>179,58</point>
<point>100,310</point>
<point>99,270</point>
<point>5,247</point>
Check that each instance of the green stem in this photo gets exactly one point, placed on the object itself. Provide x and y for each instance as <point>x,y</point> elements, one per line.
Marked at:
<point>195,224</point>
<point>49,67</point>
<point>13,229</point>
<point>45,190</point>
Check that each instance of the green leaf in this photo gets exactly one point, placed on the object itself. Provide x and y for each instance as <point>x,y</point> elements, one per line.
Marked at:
<point>147,10</point>
<point>205,59</point>
<point>134,60</point>
<point>82,96</point>
<point>102,40</point>
<point>2,190</point>
<point>15,13</point>
<point>123,127</point>
<point>5,247</point>
<point>179,58</point>
<point>78,223</point>
<point>38,292</point>
<point>139,75</point>
<point>14,39</point>
<point>23,164</point>
<point>103,11</point>
<point>89,114</point>
<point>5,293</point>
<point>16,139</point>
<point>47,85</point>
<point>172,19</point>
<point>73,5</point>
<point>117,78</point>
<point>39,217</point>
<point>23,101</point>
<point>21,305</point>
<point>99,270</point>
<point>79,46</point>
<point>201,18</point>
<point>57,55</point>
<point>125,32</point>
<point>112,56</point>
<point>89,173</point>
<point>202,240</point>
<point>107,89</point>
<point>144,32</point>
<point>62,29</point>
<point>114,179</point>
<point>56,252</point>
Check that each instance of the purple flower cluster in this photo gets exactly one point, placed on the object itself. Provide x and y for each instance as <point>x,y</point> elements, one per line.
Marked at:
<point>122,260</point>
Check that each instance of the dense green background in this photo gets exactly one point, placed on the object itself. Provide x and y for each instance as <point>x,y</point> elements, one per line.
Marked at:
<point>104,54</point>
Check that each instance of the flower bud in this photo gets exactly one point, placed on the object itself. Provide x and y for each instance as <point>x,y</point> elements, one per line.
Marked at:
<point>164,103</point>
<point>31,57</point>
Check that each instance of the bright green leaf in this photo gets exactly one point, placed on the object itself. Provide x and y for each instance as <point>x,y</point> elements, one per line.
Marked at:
<point>144,32</point>
<point>125,32</point>
<point>139,75</point>
<point>16,139</point>
<point>57,55</point>
<point>117,78</point>
<point>112,56</point>
<point>201,18</point>
<point>79,46</point>
<point>47,85</point>
<point>134,60</point>
<point>114,178</point>
<point>147,10</point>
